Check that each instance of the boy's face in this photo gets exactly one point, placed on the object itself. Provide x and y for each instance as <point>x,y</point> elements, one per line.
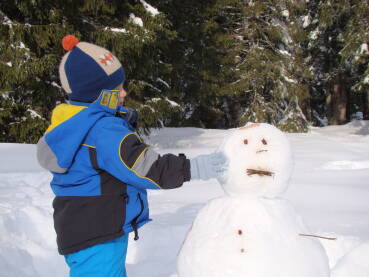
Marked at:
<point>122,94</point>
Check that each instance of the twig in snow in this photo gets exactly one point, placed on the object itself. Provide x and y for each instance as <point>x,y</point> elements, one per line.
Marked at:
<point>315,236</point>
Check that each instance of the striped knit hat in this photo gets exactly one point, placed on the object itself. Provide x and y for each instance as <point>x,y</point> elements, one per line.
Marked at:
<point>87,69</point>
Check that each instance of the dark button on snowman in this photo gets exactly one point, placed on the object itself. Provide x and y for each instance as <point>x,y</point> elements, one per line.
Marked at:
<point>252,231</point>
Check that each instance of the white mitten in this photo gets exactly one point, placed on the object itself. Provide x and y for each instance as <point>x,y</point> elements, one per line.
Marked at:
<point>209,166</point>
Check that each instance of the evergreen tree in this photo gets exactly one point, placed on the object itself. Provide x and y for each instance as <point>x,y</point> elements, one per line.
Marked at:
<point>213,64</point>
<point>30,51</point>
<point>355,56</point>
<point>338,58</point>
<point>270,71</point>
<point>200,57</point>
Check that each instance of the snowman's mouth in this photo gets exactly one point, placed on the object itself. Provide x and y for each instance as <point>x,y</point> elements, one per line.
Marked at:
<point>259,172</point>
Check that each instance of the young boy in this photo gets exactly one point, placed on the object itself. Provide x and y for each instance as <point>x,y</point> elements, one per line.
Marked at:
<point>101,169</point>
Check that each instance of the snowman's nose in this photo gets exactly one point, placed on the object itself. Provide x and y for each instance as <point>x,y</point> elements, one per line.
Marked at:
<point>261,151</point>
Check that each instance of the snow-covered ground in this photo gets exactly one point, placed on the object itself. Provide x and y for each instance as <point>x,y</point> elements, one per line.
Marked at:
<point>329,188</point>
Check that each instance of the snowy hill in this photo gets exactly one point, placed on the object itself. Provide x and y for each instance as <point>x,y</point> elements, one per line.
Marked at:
<point>329,188</point>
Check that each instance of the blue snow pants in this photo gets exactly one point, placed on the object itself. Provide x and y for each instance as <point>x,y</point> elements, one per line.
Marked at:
<point>102,260</point>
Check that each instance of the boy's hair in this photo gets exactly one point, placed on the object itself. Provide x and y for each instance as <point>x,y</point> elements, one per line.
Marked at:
<point>87,69</point>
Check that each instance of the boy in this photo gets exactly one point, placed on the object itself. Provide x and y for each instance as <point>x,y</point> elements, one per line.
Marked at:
<point>101,169</point>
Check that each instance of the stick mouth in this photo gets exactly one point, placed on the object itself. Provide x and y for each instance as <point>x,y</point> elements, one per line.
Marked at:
<point>259,172</point>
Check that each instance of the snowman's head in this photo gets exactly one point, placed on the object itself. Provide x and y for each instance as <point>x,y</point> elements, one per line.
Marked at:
<point>260,161</point>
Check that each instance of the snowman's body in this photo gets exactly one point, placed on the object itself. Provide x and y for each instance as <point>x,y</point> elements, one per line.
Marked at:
<point>240,237</point>
<point>251,232</point>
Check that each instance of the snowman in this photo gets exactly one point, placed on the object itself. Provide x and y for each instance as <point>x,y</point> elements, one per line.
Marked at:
<point>252,231</point>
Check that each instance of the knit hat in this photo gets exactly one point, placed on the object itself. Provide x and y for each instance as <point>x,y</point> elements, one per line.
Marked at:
<point>87,69</point>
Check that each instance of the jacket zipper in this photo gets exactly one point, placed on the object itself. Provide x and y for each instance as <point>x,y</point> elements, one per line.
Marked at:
<point>134,221</point>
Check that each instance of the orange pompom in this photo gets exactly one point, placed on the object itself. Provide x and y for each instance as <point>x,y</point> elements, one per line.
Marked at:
<point>69,42</point>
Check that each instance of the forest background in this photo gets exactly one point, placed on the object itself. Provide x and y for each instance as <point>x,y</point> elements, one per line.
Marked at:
<point>208,64</point>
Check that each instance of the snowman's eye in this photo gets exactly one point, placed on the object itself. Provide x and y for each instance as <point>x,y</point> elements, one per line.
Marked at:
<point>264,141</point>
<point>245,141</point>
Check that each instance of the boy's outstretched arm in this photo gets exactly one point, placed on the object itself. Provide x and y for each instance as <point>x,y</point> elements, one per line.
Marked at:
<point>167,171</point>
<point>129,159</point>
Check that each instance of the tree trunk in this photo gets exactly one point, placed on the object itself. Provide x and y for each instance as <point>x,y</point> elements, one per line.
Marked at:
<point>305,106</point>
<point>337,101</point>
<point>366,106</point>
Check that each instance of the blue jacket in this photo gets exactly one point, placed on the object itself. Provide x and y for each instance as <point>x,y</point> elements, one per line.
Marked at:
<point>101,171</point>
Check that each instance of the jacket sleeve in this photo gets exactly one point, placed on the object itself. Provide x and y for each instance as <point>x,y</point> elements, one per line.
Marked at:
<point>137,164</point>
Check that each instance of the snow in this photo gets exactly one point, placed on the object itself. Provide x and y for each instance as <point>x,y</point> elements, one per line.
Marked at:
<point>332,201</point>
<point>284,52</point>
<point>314,34</point>
<point>150,9</point>
<point>347,165</point>
<point>354,263</point>
<point>306,21</point>
<point>22,46</point>
<point>135,20</point>
<point>286,13</point>
<point>34,114</point>
<point>364,49</point>
<point>54,84</point>
<point>172,103</point>
<point>7,21</point>
<point>9,64</point>
<point>156,99</point>
<point>116,30</point>
<point>163,82</point>
<point>289,79</point>
<point>25,52</point>
<point>154,88</point>
<point>366,79</point>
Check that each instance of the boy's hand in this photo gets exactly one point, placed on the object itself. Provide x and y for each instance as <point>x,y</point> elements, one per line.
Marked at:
<point>108,100</point>
<point>209,166</point>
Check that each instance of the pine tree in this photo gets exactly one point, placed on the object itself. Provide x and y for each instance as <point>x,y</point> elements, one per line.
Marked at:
<point>271,76</point>
<point>30,51</point>
<point>200,57</point>
<point>213,64</point>
<point>355,56</point>
<point>338,58</point>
